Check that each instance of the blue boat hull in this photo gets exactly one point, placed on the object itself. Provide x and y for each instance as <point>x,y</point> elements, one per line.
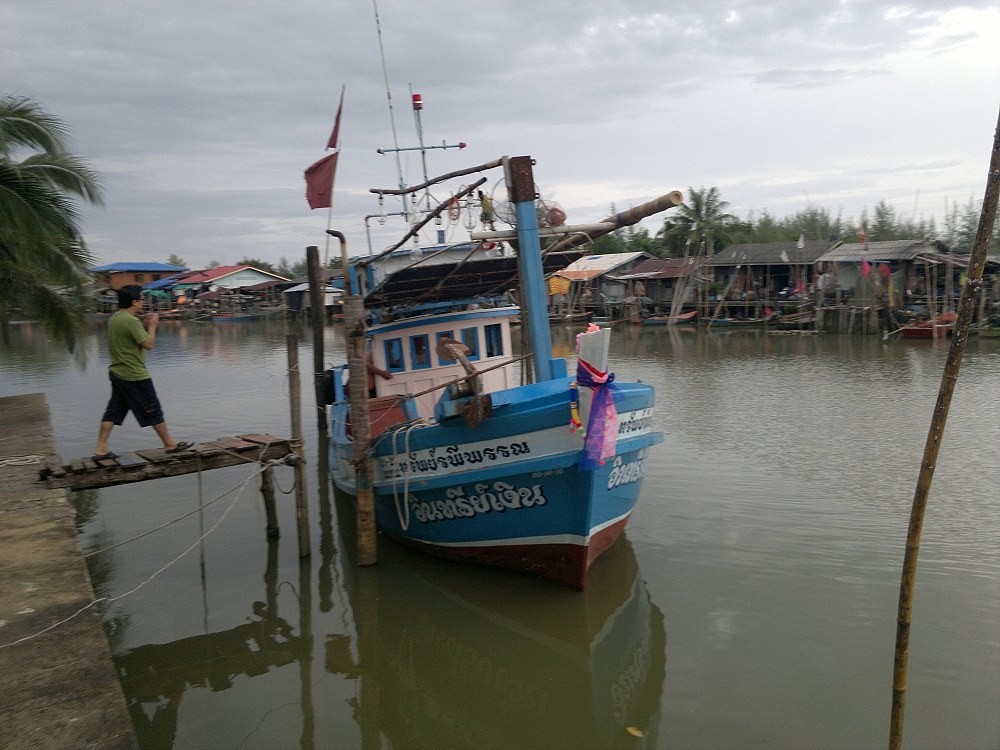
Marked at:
<point>508,492</point>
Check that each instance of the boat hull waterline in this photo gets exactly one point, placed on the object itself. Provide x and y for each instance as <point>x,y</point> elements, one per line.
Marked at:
<point>510,493</point>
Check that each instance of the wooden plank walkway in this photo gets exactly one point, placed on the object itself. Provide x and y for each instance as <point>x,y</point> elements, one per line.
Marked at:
<point>155,463</point>
<point>59,689</point>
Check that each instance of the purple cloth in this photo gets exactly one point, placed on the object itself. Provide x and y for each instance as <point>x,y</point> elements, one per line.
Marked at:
<point>601,442</point>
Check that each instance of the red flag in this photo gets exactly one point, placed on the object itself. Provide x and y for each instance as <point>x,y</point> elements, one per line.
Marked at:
<point>332,143</point>
<point>319,182</point>
<point>866,268</point>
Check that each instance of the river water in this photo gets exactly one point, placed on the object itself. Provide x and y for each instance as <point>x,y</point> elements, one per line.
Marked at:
<point>752,603</point>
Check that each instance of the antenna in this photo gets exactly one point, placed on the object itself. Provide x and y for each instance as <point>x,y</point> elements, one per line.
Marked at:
<point>388,92</point>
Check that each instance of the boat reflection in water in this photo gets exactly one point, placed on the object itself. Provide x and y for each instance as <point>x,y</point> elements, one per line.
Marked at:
<point>440,656</point>
<point>478,658</point>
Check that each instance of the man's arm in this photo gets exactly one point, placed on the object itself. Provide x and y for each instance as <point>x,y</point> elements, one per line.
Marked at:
<point>151,321</point>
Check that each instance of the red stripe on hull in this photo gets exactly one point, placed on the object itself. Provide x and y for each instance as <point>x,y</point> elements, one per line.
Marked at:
<point>563,563</point>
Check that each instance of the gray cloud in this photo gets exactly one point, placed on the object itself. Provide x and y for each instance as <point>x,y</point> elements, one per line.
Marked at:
<point>202,117</point>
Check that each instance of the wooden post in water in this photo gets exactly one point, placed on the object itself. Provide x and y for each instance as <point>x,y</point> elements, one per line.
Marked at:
<point>267,490</point>
<point>295,397</point>
<point>357,367</point>
<point>317,293</point>
<point>966,307</point>
<point>361,431</point>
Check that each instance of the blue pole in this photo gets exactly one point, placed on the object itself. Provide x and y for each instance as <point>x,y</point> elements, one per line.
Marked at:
<point>534,296</point>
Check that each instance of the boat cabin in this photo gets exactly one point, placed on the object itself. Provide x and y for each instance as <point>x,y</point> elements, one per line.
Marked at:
<point>408,348</point>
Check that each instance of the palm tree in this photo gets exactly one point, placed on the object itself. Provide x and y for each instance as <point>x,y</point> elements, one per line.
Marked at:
<point>699,222</point>
<point>44,262</point>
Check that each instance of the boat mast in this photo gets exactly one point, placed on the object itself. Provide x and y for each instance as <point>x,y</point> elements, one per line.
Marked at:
<point>521,188</point>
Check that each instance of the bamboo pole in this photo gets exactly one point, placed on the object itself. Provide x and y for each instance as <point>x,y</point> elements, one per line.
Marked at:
<point>295,401</point>
<point>935,434</point>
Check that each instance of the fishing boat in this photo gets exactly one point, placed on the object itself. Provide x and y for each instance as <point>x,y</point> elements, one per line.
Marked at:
<point>477,452</point>
<point>683,319</point>
<point>942,325</point>
<point>570,318</point>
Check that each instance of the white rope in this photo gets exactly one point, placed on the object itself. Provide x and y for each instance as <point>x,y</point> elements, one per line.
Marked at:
<point>110,600</point>
<point>26,460</point>
<point>404,518</point>
<point>164,525</point>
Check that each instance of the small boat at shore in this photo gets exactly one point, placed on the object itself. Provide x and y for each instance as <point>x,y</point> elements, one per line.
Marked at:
<point>470,457</point>
<point>575,317</point>
<point>942,325</point>
<point>683,319</point>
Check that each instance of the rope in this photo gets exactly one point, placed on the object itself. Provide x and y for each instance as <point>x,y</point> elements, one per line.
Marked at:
<point>404,518</point>
<point>175,520</point>
<point>26,460</point>
<point>109,600</point>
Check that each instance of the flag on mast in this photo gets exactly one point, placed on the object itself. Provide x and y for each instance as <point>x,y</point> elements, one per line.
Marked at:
<point>319,182</point>
<point>335,135</point>
<point>320,176</point>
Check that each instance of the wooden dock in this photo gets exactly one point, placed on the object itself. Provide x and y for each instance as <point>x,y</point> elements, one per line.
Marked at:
<point>155,463</point>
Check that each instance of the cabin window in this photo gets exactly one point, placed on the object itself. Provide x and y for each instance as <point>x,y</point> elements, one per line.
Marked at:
<point>140,277</point>
<point>420,352</point>
<point>470,337</point>
<point>447,359</point>
<point>394,355</point>
<point>494,340</point>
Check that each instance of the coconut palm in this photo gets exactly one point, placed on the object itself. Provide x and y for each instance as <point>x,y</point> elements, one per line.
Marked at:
<point>44,263</point>
<point>699,223</point>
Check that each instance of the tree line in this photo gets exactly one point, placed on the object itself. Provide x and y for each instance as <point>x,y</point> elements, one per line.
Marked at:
<point>703,225</point>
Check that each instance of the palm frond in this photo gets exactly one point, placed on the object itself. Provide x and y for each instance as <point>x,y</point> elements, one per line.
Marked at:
<point>23,122</point>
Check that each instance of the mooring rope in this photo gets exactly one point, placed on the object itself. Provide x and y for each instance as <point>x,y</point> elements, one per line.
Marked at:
<point>26,460</point>
<point>241,487</point>
<point>404,518</point>
<point>175,520</point>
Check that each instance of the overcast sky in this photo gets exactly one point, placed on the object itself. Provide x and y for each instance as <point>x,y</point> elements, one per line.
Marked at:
<point>201,116</point>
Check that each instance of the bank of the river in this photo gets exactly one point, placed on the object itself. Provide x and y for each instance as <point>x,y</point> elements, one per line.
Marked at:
<point>58,687</point>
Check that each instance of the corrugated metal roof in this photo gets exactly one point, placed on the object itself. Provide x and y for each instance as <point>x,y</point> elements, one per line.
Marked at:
<point>305,287</point>
<point>592,266</point>
<point>664,268</point>
<point>772,253</point>
<point>161,283</point>
<point>220,272</point>
<point>887,250</point>
<point>139,268</point>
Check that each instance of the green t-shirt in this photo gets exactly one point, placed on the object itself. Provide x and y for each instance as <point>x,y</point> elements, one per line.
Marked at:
<point>128,358</point>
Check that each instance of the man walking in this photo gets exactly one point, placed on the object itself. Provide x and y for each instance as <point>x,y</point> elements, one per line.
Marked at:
<point>129,338</point>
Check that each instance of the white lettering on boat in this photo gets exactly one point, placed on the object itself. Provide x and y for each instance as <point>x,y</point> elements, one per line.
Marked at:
<point>488,498</point>
<point>463,457</point>
<point>418,463</point>
<point>626,473</point>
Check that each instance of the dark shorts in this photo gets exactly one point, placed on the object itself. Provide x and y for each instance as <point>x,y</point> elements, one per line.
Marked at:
<point>137,396</point>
